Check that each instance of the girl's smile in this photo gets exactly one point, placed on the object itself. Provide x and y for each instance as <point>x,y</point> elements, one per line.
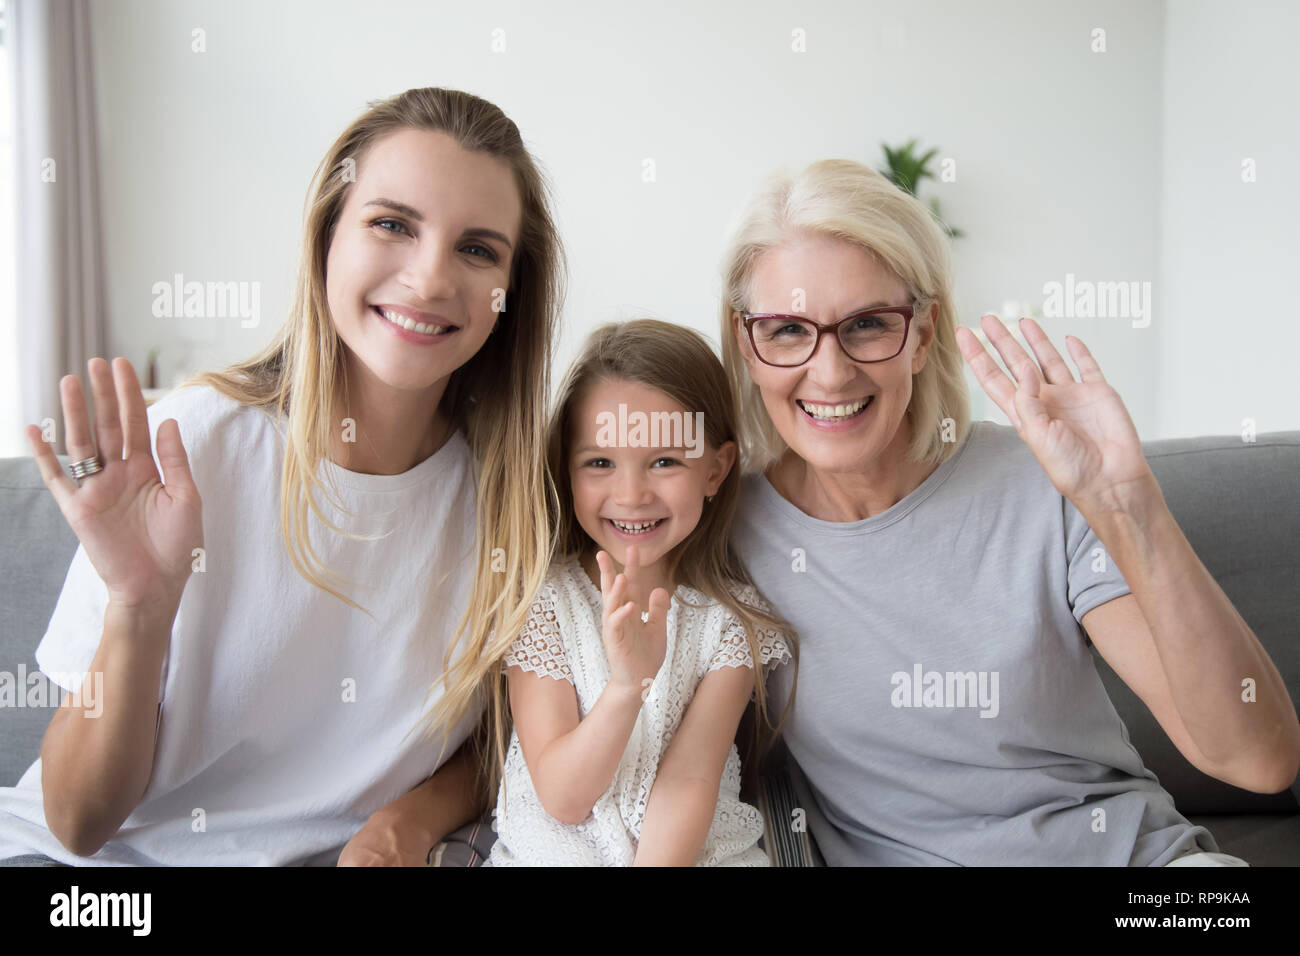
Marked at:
<point>637,530</point>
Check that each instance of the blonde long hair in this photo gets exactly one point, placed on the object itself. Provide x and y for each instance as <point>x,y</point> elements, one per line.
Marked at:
<point>497,398</point>
<point>680,363</point>
<point>849,201</point>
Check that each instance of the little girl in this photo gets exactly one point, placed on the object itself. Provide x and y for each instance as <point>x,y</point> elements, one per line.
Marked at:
<point>625,702</point>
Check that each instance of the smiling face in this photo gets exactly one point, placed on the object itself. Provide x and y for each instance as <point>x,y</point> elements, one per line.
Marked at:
<point>424,240</point>
<point>838,279</point>
<point>648,496</point>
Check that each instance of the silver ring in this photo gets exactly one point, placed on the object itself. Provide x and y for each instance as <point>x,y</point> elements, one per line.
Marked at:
<point>86,467</point>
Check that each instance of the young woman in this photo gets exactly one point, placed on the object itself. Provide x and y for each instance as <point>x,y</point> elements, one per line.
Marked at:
<point>345,511</point>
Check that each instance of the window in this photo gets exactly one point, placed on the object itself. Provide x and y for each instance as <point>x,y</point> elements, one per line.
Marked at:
<point>11,425</point>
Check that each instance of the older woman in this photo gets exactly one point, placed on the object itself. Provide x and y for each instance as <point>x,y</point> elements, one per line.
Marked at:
<point>938,571</point>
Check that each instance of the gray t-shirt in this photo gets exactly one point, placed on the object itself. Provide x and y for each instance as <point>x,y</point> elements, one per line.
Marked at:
<point>948,709</point>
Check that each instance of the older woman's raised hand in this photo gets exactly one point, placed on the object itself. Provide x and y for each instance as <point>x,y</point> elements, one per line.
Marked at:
<point>1079,430</point>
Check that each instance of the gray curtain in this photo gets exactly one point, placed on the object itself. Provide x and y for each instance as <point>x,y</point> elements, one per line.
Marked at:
<point>61,293</point>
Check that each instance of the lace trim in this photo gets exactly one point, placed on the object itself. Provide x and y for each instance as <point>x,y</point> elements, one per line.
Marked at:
<point>733,649</point>
<point>540,645</point>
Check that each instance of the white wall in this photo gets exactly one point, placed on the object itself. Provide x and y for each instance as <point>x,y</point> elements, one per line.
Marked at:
<point>208,155</point>
<point>1229,249</point>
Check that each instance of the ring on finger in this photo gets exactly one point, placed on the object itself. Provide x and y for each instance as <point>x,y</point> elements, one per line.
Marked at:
<point>87,467</point>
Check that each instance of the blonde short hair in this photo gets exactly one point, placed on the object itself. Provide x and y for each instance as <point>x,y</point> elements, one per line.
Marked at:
<point>846,200</point>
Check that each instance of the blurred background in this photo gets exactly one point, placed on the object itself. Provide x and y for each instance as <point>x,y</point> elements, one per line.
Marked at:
<point>1152,144</point>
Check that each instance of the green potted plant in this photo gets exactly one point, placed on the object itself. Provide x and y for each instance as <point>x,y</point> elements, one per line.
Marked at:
<point>905,170</point>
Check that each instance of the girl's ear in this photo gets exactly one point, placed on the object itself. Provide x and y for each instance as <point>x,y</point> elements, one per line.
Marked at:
<point>723,460</point>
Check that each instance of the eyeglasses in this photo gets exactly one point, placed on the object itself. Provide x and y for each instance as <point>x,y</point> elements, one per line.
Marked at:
<point>875,335</point>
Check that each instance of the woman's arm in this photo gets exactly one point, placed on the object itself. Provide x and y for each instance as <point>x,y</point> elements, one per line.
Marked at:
<point>1188,653</point>
<point>95,766</point>
<point>1178,642</point>
<point>571,761</point>
<point>404,831</point>
<point>139,535</point>
<point>685,792</point>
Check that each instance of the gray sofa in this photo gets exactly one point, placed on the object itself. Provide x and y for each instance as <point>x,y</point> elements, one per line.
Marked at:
<point>1238,503</point>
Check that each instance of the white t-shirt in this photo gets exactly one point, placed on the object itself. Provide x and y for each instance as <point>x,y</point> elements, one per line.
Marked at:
<point>285,713</point>
<point>561,640</point>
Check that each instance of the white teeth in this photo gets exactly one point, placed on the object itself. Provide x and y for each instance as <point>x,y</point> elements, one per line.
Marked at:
<point>410,324</point>
<point>636,527</point>
<point>834,412</point>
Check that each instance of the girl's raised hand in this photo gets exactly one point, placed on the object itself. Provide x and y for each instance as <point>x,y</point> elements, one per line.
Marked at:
<point>139,534</point>
<point>635,648</point>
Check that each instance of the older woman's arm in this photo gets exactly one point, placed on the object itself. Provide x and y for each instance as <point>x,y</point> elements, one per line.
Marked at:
<point>1199,669</point>
<point>1176,639</point>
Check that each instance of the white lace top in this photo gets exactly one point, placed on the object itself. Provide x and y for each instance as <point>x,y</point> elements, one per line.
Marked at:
<point>562,640</point>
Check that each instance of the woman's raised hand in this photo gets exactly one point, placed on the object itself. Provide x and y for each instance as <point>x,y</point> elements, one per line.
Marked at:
<point>635,648</point>
<point>1079,431</point>
<point>139,534</point>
